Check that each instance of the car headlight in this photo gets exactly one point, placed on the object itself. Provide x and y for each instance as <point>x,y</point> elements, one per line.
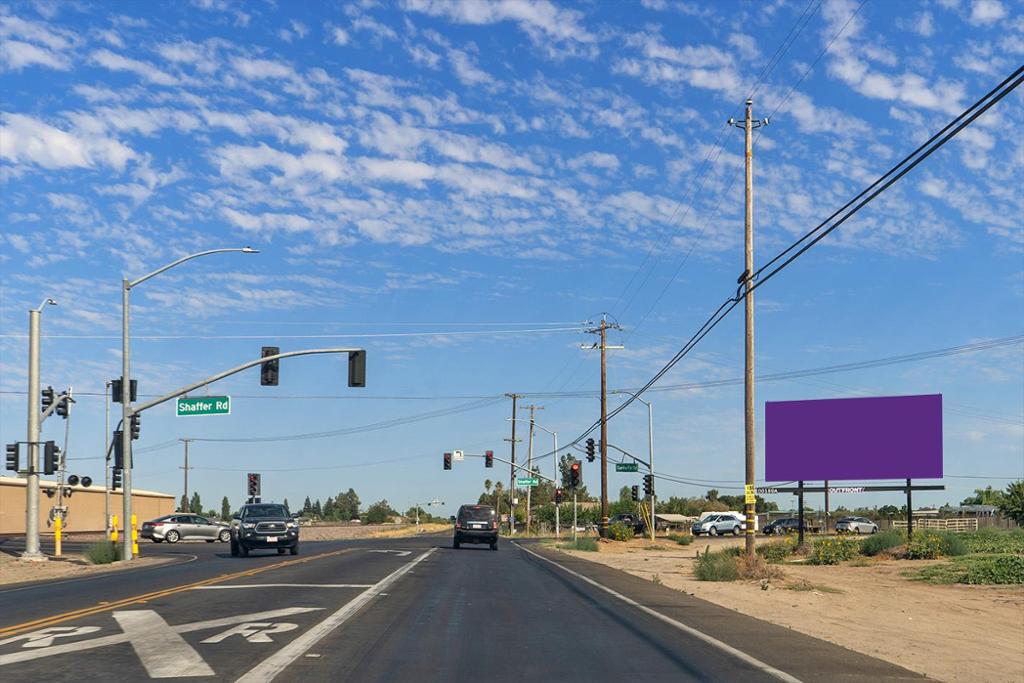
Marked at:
<point>292,525</point>
<point>248,526</point>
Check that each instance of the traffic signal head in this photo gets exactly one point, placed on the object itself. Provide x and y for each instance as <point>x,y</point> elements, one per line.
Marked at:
<point>590,450</point>
<point>136,421</point>
<point>63,407</point>
<point>13,456</point>
<point>648,485</point>
<point>47,397</point>
<point>636,493</point>
<point>118,450</point>
<point>575,474</point>
<point>115,479</point>
<point>268,370</point>
<point>357,368</point>
<point>253,484</point>
<point>73,480</point>
<point>447,461</point>
<point>51,457</point>
<point>117,390</point>
<point>559,495</point>
<point>86,482</point>
<point>488,458</point>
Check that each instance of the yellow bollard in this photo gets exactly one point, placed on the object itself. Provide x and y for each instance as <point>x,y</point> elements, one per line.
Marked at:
<point>113,528</point>
<point>135,536</point>
<point>56,535</point>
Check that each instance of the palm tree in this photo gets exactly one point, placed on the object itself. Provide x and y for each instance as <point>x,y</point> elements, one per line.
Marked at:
<point>498,488</point>
<point>487,486</point>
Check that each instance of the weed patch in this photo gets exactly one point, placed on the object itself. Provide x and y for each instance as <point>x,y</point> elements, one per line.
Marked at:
<point>103,552</point>
<point>977,569</point>
<point>876,543</point>
<point>716,567</point>
<point>833,550</point>
<point>620,532</point>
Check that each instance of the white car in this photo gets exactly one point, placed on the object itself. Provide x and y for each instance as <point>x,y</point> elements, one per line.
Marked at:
<point>716,525</point>
<point>856,525</point>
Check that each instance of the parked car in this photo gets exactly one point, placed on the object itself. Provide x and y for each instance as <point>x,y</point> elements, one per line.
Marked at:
<point>185,527</point>
<point>631,520</point>
<point>476,524</point>
<point>264,525</point>
<point>856,525</point>
<point>715,525</point>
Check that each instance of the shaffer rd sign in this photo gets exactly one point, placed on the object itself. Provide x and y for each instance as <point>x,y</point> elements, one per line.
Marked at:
<point>203,405</point>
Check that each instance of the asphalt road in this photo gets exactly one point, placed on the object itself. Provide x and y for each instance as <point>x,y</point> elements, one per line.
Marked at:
<point>396,610</point>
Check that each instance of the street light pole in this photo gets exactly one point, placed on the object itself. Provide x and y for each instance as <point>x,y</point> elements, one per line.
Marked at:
<point>126,407</point>
<point>650,449</point>
<point>32,552</point>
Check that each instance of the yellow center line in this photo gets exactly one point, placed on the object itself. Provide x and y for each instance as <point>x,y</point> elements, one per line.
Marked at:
<point>145,597</point>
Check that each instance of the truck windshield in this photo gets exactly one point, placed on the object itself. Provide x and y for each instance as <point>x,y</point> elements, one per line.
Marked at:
<point>259,511</point>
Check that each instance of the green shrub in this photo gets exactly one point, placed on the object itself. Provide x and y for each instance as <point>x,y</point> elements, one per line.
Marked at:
<point>978,569</point>
<point>620,532</point>
<point>876,543</point>
<point>833,550</point>
<point>994,541</point>
<point>952,544</point>
<point>776,551</point>
<point>586,543</point>
<point>716,567</point>
<point>103,552</point>
<point>681,539</point>
<point>924,546</point>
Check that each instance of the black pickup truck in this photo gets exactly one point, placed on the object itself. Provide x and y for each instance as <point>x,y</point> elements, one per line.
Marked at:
<point>634,522</point>
<point>259,526</point>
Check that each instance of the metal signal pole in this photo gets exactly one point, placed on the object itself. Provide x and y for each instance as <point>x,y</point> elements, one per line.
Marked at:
<point>529,464</point>
<point>186,468</point>
<point>746,279</point>
<point>512,472</point>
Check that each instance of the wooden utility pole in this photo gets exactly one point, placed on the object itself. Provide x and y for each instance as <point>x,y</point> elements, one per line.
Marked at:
<point>602,330</point>
<point>748,125</point>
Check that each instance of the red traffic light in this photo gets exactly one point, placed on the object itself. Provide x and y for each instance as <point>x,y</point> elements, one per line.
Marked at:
<point>488,458</point>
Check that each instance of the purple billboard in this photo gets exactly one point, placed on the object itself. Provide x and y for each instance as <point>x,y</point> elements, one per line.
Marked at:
<point>844,439</point>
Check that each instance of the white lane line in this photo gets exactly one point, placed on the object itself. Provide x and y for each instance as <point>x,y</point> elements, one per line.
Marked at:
<point>285,585</point>
<point>163,653</point>
<point>270,667</point>
<point>103,641</point>
<point>728,649</point>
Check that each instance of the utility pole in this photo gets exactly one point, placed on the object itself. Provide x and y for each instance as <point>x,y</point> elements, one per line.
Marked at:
<point>32,485</point>
<point>747,279</point>
<point>529,461</point>
<point>186,468</point>
<point>602,330</point>
<point>512,472</point>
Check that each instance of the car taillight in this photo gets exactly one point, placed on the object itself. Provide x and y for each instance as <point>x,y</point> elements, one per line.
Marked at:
<point>494,525</point>
<point>457,525</point>
<point>158,523</point>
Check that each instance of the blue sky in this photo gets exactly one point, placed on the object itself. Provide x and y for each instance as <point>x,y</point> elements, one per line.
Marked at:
<point>456,186</point>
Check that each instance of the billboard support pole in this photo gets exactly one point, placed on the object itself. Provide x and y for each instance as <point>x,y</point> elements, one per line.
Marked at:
<point>910,512</point>
<point>800,514</point>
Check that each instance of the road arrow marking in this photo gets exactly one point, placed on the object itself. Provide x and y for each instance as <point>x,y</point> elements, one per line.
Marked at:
<point>254,631</point>
<point>163,653</point>
<point>46,636</point>
<point>400,553</point>
<point>117,639</point>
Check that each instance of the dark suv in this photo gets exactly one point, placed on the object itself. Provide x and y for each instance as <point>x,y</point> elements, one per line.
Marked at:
<point>264,525</point>
<point>476,524</point>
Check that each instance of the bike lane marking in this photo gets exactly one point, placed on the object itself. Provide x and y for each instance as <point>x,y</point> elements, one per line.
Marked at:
<point>162,651</point>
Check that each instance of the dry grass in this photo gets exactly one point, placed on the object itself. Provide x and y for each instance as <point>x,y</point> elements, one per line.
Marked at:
<point>754,568</point>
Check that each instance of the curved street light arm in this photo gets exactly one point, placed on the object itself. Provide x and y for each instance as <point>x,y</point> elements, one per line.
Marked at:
<point>132,283</point>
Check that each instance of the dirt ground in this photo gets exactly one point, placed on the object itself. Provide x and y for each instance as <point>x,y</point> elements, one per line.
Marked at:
<point>948,632</point>
<point>13,570</point>
<point>341,532</point>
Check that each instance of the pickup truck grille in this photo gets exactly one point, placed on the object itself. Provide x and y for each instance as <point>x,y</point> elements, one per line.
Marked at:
<point>267,527</point>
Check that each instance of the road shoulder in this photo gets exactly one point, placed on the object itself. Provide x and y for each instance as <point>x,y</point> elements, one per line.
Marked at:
<point>799,655</point>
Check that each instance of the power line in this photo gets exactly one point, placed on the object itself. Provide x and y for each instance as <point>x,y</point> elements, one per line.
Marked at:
<point>374,335</point>
<point>966,118</point>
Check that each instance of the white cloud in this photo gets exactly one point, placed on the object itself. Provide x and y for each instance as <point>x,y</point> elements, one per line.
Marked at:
<point>986,12</point>
<point>466,70</point>
<point>16,55</point>
<point>608,162</point>
<point>339,36</point>
<point>25,140</point>
<point>746,45</point>
<point>116,62</point>
<point>268,69</point>
<point>924,25</point>
<point>544,22</point>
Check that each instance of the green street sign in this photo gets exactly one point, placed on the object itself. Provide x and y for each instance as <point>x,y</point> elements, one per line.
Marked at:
<point>203,405</point>
<point>626,467</point>
<point>527,481</point>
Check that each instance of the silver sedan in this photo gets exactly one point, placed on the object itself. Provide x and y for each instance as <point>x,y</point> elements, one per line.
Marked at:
<point>185,527</point>
<point>856,525</point>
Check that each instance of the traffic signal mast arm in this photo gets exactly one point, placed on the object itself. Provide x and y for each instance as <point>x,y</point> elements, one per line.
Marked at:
<point>509,462</point>
<point>227,373</point>
<point>630,455</point>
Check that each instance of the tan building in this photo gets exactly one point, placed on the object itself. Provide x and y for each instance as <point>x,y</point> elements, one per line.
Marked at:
<point>85,506</point>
